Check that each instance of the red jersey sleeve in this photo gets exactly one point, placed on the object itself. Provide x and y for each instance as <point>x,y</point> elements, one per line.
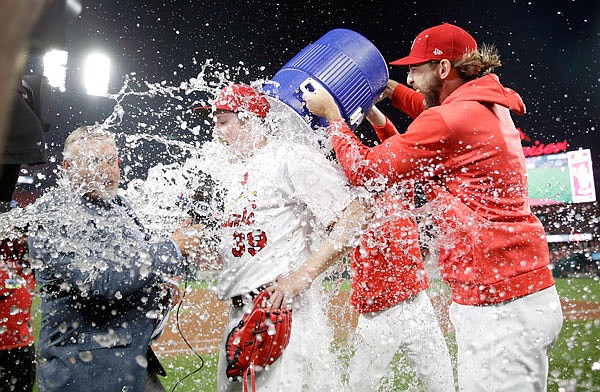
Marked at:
<point>386,131</point>
<point>408,100</point>
<point>417,154</point>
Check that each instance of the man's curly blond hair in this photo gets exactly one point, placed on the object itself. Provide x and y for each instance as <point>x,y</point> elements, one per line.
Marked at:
<point>478,63</point>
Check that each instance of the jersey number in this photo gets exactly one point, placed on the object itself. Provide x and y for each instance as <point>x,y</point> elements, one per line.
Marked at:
<point>253,241</point>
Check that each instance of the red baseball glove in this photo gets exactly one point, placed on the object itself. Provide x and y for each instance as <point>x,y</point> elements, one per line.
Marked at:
<point>258,340</point>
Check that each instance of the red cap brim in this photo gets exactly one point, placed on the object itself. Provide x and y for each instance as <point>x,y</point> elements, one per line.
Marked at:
<point>201,108</point>
<point>409,60</point>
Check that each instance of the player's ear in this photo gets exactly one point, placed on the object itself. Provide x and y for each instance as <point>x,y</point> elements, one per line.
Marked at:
<point>444,68</point>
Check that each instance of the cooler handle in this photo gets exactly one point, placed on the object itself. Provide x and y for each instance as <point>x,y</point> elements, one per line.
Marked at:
<point>357,116</point>
<point>310,85</point>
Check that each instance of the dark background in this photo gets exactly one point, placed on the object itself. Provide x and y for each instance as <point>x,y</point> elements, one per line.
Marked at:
<point>549,49</point>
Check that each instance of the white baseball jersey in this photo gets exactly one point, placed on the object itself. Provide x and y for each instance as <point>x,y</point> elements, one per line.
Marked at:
<point>276,214</point>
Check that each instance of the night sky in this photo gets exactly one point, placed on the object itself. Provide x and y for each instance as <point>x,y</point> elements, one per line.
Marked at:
<point>550,50</point>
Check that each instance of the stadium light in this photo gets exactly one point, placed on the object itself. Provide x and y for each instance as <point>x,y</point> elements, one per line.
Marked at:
<point>55,68</point>
<point>96,74</point>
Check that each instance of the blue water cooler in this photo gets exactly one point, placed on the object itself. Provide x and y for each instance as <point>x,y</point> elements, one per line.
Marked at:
<point>343,62</point>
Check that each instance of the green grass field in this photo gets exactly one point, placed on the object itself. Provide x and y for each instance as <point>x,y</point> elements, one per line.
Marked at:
<point>574,361</point>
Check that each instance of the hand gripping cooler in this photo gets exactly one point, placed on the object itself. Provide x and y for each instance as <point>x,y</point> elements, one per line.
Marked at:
<point>343,62</point>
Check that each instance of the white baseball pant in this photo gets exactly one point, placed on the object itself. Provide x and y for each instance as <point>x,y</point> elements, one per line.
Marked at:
<point>410,328</point>
<point>504,347</point>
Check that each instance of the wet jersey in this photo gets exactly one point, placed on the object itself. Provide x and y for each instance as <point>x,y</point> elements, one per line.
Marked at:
<point>388,265</point>
<point>276,213</point>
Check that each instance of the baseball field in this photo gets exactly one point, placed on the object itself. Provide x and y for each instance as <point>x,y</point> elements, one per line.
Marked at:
<point>574,360</point>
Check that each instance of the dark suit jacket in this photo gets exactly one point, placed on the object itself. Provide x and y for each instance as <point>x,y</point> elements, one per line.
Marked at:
<point>100,281</point>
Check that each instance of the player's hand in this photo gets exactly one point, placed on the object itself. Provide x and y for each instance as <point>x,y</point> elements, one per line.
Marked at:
<point>286,288</point>
<point>376,117</point>
<point>188,237</point>
<point>389,89</point>
<point>322,104</point>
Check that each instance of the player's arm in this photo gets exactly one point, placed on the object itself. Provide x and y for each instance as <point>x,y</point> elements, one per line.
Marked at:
<point>340,241</point>
<point>381,124</point>
<point>426,143</point>
<point>405,98</point>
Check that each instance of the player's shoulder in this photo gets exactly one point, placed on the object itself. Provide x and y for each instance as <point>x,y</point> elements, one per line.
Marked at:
<point>297,152</point>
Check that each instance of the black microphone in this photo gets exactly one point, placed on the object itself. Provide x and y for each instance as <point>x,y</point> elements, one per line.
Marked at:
<point>206,204</point>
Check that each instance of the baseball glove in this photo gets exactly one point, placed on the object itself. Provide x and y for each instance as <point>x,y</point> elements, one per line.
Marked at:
<point>258,340</point>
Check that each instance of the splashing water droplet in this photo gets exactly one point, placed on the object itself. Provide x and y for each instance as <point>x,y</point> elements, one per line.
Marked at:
<point>142,361</point>
<point>63,327</point>
<point>153,314</point>
<point>14,310</point>
<point>86,356</point>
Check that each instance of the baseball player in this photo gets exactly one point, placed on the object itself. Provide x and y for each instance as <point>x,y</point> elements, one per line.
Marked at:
<point>281,198</point>
<point>494,255</point>
<point>388,291</point>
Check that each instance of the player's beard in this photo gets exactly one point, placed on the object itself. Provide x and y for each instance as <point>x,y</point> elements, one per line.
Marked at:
<point>433,92</point>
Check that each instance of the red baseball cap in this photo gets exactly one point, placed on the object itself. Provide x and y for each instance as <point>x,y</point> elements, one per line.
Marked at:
<point>240,97</point>
<point>444,41</point>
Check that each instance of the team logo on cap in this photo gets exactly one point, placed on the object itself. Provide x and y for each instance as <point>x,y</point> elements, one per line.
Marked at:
<point>437,52</point>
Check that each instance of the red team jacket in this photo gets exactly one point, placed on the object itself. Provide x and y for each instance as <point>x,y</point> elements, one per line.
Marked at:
<point>494,248</point>
<point>388,266</point>
<point>17,284</point>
